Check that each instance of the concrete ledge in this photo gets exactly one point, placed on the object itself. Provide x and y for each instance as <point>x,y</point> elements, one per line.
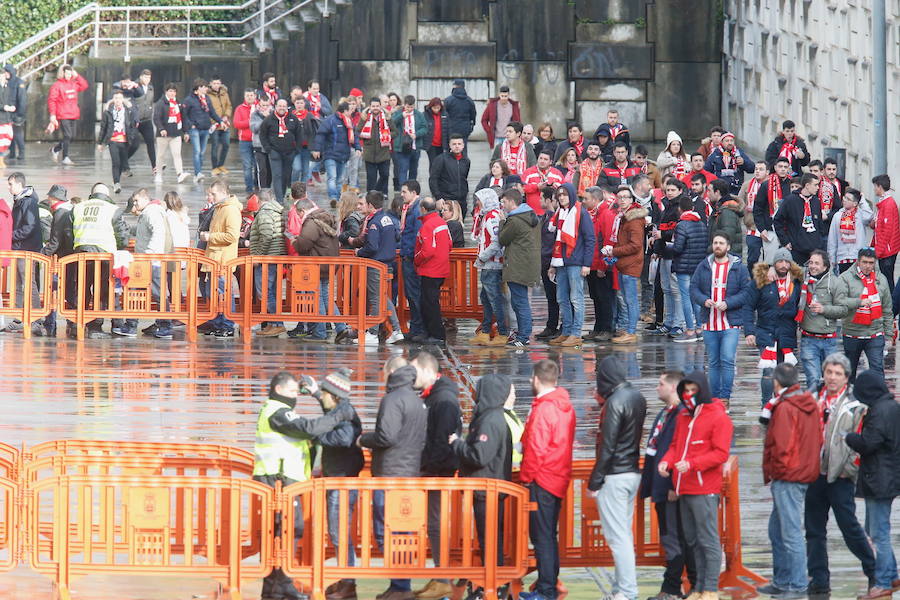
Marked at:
<point>469,60</point>
<point>601,61</point>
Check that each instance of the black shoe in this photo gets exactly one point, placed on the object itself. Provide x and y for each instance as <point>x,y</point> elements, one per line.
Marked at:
<point>547,334</point>
<point>341,336</point>
<point>149,330</point>
<point>818,590</point>
<point>769,589</point>
<point>430,341</point>
<point>224,333</point>
<point>209,327</point>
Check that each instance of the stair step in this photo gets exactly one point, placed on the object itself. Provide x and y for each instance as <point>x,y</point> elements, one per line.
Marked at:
<point>292,23</point>
<point>309,15</point>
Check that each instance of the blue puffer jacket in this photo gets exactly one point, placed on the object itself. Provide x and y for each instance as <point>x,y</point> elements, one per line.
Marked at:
<point>331,140</point>
<point>381,238</point>
<point>583,253</point>
<point>411,228</point>
<point>193,115</point>
<point>461,114</point>
<point>688,246</point>
<point>772,323</point>
<point>734,176</point>
<point>737,288</point>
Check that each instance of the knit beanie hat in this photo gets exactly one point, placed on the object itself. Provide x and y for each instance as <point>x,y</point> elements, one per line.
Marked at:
<point>782,254</point>
<point>57,191</point>
<point>338,383</point>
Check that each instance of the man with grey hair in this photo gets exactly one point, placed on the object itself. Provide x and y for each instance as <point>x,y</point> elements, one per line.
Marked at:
<point>835,487</point>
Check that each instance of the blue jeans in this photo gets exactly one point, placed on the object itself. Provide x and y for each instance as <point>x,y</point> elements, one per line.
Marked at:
<point>690,311</point>
<point>407,165</point>
<point>721,346</point>
<point>219,321</point>
<point>878,526</point>
<point>786,535</point>
<point>300,170</point>
<point>198,141</point>
<point>628,285</point>
<point>318,329</point>
<point>874,349</point>
<point>332,500</point>
<point>351,171</point>
<point>570,295</point>
<point>813,351</point>
<point>219,151</point>
<point>273,288</point>
<point>378,525</point>
<point>248,165</point>
<point>492,300</point>
<point>671,290</point>
<point>412,289</point>
<point>334,170</point>
<point>518,296</point>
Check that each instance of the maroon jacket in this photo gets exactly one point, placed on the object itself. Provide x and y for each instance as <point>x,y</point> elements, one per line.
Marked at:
<point>489,117</point>
<point>794,439</point>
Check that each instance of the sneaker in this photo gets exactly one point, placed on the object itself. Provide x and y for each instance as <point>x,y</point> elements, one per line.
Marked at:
<point>341,336</point>
<point>517,343</point>
<point>480,339</point>
<point>96,334</point>
<point>547,334</point>
<point>557,340</point>
<point>158,177</point>
<point>298,331</point>
<point>271,331</point>
<point>430,341</point>
<point>625,338</point>
<point>873,593</point>
<point>126,173</point>
<point>769,589</point>
<point>371,339</point>
<point>199,177</point>
<point>207,327</point>
<point>223,171</point>
<point>603,336</point>
<point>434,590</point>
<point>54,154</point>
<point>149,330</point>
<point>501,340</point>
<point>215,171</point>
<point>395,338</point>
<point>14,327</point>
<point>573,341</point>
<point>124,331</point>
<point>67,161</point>
<point>684,337</point>
<point>117,188</point>
<point>71,331</point>
<point>651,326</point>
<point>674,332</point>
<point>163,334</point>
<point>224,333</point>
<point>661,330</point>
<point>182,176</point>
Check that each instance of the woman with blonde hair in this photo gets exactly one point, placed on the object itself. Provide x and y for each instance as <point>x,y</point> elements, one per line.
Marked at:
<point>350,218</point>
<point>178,220</point>
<point>568,165</point>
<point>451,212</point>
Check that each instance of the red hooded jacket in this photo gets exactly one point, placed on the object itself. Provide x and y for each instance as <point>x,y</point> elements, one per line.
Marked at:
<point>793,445</point>
<point>531,180</point>
<point>887,228</point>
<point>547,443</point>
<point>241,122</point>
<point>433,244</point>
<point>62,101</point>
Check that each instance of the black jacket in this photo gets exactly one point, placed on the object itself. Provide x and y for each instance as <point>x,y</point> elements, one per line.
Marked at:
<point>774,148</point>
<point>548,239</point>
<point>448,178</point>
<point>461,114</point>
<point>444,418</point>
<point>268,134</point>
<point>879,442</point>
<point>62,235</point>
<point>20,91</point>
<point>400,427</point>
<point>193,116</point>
<point>688,246</point>
<point>761,218</point>
<point>107,125</point>
<point>621,423</point>
<point>788,224</point>
<point>654,485</point>
<point>161,119</point>
<point>487,450</point>
<point>667,222</point>
<point>26,234</point>
<point>340,455</point>
<point>445,133</point>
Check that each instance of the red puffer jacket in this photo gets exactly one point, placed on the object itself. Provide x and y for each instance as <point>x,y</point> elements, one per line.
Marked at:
<point>62,101</point>
<point>433,244</point>
<point>547,443</point>
<point>887,228</point>
<point>792,450</point>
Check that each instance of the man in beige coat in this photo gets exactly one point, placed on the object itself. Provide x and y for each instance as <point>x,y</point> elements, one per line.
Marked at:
<point>222,246</point>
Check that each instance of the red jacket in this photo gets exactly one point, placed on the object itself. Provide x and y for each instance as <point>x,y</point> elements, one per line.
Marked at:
<point>686,179</point>
<point>704,440</point>
<point>530,180</point>
<point>489,117</point>
<point>794,439</point>
<point>6,229</point>
<point>606,215</point>
<point>62,101</point>
<point>887,228</point>
<point>547,443</point>
<point>433,244</point>
<point>241,120</point>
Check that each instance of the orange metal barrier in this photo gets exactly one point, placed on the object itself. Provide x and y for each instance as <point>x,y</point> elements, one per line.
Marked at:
<point>460,294</point>
<point>300,283</point>
<point>26,286</point>
<point>140,297</point>
<point>313,560</point>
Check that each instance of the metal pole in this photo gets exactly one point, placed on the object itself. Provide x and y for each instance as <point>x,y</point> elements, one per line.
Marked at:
<point>96,31</point>
<point>127,35</point>
<point>187,55</point>
<point>262,25</point>
<point>879,80</point>
<point>66,45</point>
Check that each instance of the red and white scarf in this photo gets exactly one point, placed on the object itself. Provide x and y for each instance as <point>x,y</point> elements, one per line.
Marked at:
<point>409,126</point>
<point>657,429</point>
<point>680,167</point>
<point>314,102</point>
<point>566,222</point>
<point>614,236</point>
<point>270,93</point>
<point>766,414</point>
<point>384,131</point>
<point>788,149</point>
<point>301,114</point>
<point>728,157</point>
<point>349,126</point>
<point>866,314</point>
<point>204,104</point>
<point>496,182</point>
<point>174,115</point>
<point>752,190</point>
<point>282,124</point>
<point>785,289</point>
<point>808,224</point>
<point>514,157</point>
<point>579,146</point>
<point>689,215</point>
<point>806,297</point>
<point>826,402</point>
<point>775,194</point>
<point>826,195</point>
<point>615,130</point>
<point>847,226</point>
<point>589,173</point>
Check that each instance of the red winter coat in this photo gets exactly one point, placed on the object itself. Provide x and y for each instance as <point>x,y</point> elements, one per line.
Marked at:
<point>606,215</point>
<point>489,117</point>
<point>686,179</point>
<point>6,229</point>
<point>704,440</point>
<point>62,101</point>
<point>547,443</point>
<point>794,439</point>
<point>433,244</point>
<point>241,122</point>
<point>530,180</point>
<point>887,228</point>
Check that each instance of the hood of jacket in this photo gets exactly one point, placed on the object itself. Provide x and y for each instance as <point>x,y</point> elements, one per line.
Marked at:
<point>272,205</point>
<point>325,220</point>
<point>11,69</point>
<point>402,377</point>
<point>459,92</point>
<point>573,194</point>
<point>230,201</point>
<point>610,375</point>
<point>800,398</point>
<point>603,129</point>
<point>491,392</point>
<point>870,388</point>
<point>488,198</point>
<point>673,137</point>
<point>526,213</point>
<point>733,204</point>
<point>27,191</point>
<point>761,277</point>
<point>704,395</point>
<point>636,212</point>
<point>223,91</point>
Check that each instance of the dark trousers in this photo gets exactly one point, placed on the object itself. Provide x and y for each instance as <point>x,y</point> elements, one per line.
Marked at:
<point>97,297</point>
<point>754,250</point>
<point>800,257</point>
<point>434,527</point>
<point>543,526</point>
<point>886,265</point>
<point>479,507</point>
<point>281,164</point>
<point>262,168</point>
<point>145,128</point>
<point>18,142</point>
<point>413,292</point>
<point>844,266</point>
<point>377,175</point>
<point>821,497</point>
<point>219,140</point>
<point>430,297</point>
<point>397,182</point>
<point>874,349</point>
<point>552,304</point>
<point>604,296</point>
<point>118,153</point>
<point>671,536</point>
<point>433,152</point>
<point>67,130</point>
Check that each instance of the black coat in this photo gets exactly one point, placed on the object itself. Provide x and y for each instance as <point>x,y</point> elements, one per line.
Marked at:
<point>62,235</point>
<point>761,218</point>
<point>445,126</point>
<point>26,234</point>
<point>621,423</point>
<point>788,224</point>
<point>764,317</point>
<point>774,148</point>
<point>879,442</point>
<point>193,116</point>
<point>688,246</point>
<point>448,178</point>
<point>654,485</point>
<point>340,455</point>
<point>444,418</point>
<point>461,113</point>
<point>19,95</point>
<point>108,121</point>
<point>487,449</point>
<point>545,146</point>
<point>161,119</point>
<point>548,239</point>
<point>400,427</point>
<point>268,134</point>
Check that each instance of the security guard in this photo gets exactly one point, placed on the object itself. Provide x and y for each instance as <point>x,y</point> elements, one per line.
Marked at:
<point>284,451</point>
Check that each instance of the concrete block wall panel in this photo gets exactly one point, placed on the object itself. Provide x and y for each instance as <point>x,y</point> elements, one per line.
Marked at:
<point>687,112</point>
<point>543,90</point>
<point>615,10</point>
<point>375,77</point>
<point>446,10</point>
<point>543,35</point>
<point>452,33</point>
<point>469,60</point>
<point>372,30</point>
<point>634,114</point>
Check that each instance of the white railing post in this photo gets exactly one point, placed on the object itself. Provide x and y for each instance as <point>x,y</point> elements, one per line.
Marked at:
<point>96,31</point>
<point>262,25</point>
<point>187,54</point>
<point>127,35</point>
<point>66,45</point>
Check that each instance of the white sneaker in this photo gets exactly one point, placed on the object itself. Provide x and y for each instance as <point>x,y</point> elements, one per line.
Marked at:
<point>157,178</point>
<point>199,177</point>
<point>67,161</point>
<point>117,188</point>
<point>395,337</point>
<point>54,154</point>
<point>371,339</point>
<point>182,176</point>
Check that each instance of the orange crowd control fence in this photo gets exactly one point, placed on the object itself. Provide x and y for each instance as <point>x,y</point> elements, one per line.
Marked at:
<point>302,288</point>
<point>26,286</point>
<point>460,295</point>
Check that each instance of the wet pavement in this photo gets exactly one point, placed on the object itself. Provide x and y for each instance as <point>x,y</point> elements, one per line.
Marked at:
<point>174,391</point>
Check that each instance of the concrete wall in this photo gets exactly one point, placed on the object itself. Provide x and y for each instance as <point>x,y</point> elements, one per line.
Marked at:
<point>809,62</point>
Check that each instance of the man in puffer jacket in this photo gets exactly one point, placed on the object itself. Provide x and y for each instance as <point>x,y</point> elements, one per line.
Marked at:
<point>461,113</point>
<point>490,264</point>
<point>521,240</point>
<point>267,239</point>
<point>818,315</point>
<point>688,248</point>
<point>695,460</point>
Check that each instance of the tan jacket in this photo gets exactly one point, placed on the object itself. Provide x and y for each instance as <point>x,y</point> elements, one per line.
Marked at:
<point>225,231</point>
<point>221,102</point>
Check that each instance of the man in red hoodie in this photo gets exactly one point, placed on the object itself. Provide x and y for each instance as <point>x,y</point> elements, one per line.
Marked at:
<point>546,470</point>
<point>62,104</point>
<point>538,178</point>
<point>432,261</point>
<point>700,448</point>
<point>245,138</point>
<point>887,228</point>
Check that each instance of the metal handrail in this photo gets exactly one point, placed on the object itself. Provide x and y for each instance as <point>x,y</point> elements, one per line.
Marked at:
<point>74,39</point>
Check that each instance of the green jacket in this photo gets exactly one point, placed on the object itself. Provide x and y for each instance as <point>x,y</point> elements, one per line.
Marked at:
<point>824,291</point>
<point>399,136</point>
<point>728,218</point>
<point>848,293</point>
<point>267,231</point>
<point>520,236</point>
